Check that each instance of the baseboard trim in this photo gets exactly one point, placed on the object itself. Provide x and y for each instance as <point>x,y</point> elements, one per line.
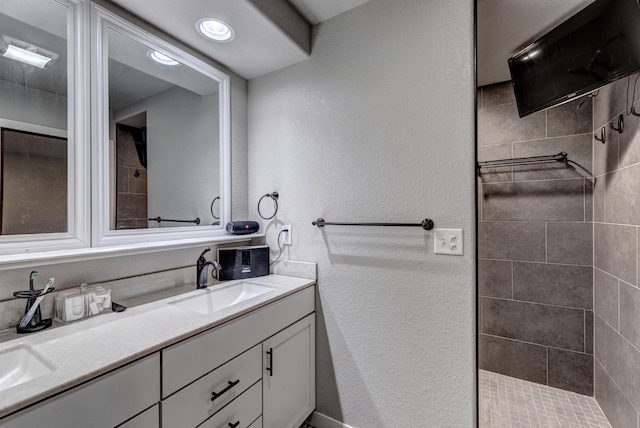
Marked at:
<point>318,420</point>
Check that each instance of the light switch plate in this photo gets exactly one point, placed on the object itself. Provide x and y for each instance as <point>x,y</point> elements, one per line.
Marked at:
<point>448,241</point>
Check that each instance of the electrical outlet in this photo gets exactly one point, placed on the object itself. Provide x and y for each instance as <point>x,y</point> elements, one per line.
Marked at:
<point>448,241</point>
<point>286,236</point>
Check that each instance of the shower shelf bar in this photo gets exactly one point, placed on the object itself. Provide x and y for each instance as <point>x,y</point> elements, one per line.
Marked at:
<point>427,224</point>
<point>560,157</point>
<point>160,220</point>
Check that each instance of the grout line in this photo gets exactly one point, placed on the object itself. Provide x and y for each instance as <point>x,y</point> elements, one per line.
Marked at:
<point>584,323</point>
<point>619,288</point>
<point>537,303</point>
<point>534,343</point>
<point>539,263</point>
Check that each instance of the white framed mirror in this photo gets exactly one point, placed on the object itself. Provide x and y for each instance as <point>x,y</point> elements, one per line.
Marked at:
<point>160,137</point>
<point>44,174</point>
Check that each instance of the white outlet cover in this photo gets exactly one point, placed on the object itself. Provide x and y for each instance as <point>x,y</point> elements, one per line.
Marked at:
<point>448,241</point>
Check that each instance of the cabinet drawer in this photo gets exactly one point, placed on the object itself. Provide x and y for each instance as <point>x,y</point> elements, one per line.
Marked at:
<point>187,361</point>
<point>148,419</point>
<point>102,403</point>
<point>242,411</point>
<point>192,405</point>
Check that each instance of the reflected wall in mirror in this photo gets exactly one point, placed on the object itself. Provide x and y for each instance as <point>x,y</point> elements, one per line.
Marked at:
<point>33,117</point>
<point>34,183</point>
<point>164,138</point>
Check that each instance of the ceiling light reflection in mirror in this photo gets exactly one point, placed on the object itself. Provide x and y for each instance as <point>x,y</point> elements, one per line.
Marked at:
<point>164,132</point>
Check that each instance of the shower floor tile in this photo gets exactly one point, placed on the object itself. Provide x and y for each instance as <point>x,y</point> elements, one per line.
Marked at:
<point>506,402</point>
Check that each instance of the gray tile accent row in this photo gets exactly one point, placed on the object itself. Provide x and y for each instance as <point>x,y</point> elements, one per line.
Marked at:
<point>543,324</point>
<point>551,200</point>
<point>512,358</point>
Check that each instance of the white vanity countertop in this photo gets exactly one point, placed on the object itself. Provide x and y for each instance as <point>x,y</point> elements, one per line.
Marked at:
<point>91,347</point>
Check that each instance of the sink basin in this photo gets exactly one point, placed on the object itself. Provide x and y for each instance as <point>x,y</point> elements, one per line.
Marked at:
<point>220,297</point>
<point>21,364</point>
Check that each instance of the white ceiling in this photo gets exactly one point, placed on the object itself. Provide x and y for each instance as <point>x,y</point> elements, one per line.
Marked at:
<point>506,26</point>
<point>270,34</point>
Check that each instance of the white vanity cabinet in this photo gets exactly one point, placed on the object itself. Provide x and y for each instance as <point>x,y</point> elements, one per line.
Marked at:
<point>288,382</point>
<point>229,360</point>
<point>105,402</point>
<point>252,371</point>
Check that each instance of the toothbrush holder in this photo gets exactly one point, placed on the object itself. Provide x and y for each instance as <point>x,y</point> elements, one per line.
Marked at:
<point>36,323</point>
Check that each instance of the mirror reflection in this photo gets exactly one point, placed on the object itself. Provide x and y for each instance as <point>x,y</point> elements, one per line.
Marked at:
<point>164,139</point>
<point>33,117</point>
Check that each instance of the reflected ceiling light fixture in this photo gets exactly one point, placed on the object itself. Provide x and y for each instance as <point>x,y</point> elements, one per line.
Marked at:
<point>161,58</point>
<point>215,29</point>
<point>26,52</point>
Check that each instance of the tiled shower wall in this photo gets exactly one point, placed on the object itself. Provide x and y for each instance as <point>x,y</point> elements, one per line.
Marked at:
<point>616,221</point>
<point>535,243</point>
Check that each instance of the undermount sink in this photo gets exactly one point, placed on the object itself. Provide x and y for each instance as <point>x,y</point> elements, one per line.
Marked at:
<point>21,364</point>
<point>222,296</point>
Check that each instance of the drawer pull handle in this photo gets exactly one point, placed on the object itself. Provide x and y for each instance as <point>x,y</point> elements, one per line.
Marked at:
<point>234,425</point>
<point>270,368</point>
<point>215,395</point>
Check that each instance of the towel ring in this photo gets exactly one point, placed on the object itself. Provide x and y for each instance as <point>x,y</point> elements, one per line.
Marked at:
<point>217,198</point>
<point>274,196</point>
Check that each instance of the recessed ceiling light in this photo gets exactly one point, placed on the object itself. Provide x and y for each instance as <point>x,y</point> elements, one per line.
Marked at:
<point>161,58</point>
<point>26,53</point>
<point>215,29</point>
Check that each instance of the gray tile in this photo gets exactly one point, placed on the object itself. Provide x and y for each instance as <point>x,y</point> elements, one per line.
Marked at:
<point>542,324</point>
<point>479,97</point>
<point>577,147</point>
<point>570,243</point>
<point>615,250</point>
<point>131,206</point>
<point>598,198</point>
<point>495,152</point>
<point>501,124</point>
<point>138,184</point>
<point>622,205</point>
<point>498,93</point>
<point>553,200</point>
<point>568,119</point>
<point>571,371</point>
<point>630,141</point>
<point>610,102</point>
<point>623,364</point>
<point>605,288</point>
<point>122,180</point>
<point>588,332</point>
<point>630,313</point>
<point>614,404</point>
<point>494,278</point>
<point>523,241</point>
<point>521,360</point>
<point>553,284</point>
<point>599,340</point>
<point>605,156</point>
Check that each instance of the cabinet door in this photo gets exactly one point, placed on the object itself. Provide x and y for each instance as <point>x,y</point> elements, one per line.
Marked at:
<point>289,375</point>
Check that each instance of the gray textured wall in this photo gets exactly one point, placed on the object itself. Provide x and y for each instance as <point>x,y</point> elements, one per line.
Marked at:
<point>378,125</point>
<point>616,221</point>
<point>535,243</point>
